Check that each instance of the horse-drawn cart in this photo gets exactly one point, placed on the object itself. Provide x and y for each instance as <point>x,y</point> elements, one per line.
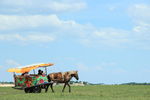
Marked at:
<point>31,83</point>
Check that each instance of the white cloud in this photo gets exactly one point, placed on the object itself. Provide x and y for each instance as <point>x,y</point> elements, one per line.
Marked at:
<point>100,67</point>
<point>53,25</point>
<point>57,6</point>
<point>140,12</point>
<point>41,38</point>
<point>26,38</point>
<point>141,30</point>
<point>9,22</point>
<point>11,62</point>
<point>137,37</point>
<point>107,37</point>
<point>111,35</point>
<point>140,16</point>
<point>112,8</point>
<point>1,67</point>
<point>82,67</point>
<point>32,6</point>
<point>87,34</point>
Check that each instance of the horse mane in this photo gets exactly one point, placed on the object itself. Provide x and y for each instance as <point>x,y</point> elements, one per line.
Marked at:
<point>72,72</point>
<point>69,72</point>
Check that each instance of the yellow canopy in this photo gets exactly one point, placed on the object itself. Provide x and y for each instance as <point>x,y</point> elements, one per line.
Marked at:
<point>28,68</point>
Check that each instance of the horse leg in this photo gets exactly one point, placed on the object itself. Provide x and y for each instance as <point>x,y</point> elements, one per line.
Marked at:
<point>69,87</point>
<point>46,87</point>
<point>52,87</point>
<point>64,87</point>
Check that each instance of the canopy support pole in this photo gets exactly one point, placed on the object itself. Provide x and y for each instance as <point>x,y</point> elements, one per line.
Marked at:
<point>14,75</point>
<point>45,70</point>
<point>34,71</point>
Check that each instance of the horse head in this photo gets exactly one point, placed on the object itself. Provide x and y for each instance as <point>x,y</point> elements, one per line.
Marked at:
<point>75,74</point>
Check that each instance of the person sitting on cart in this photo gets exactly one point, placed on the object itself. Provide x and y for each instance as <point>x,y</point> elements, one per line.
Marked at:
<point>24,74</point>
<point>40,72</point>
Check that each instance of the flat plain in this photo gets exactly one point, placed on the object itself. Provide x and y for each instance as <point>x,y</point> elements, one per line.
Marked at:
<point>88,92</point>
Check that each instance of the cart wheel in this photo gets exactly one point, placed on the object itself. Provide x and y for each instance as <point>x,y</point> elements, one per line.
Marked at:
<point>28,90</point>
<point>37,89</point>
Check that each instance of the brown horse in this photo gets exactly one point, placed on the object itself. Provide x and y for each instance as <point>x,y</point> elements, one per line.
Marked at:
<point>62,77</point>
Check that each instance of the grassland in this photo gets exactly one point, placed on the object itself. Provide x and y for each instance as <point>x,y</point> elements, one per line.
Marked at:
<point>97,92</point>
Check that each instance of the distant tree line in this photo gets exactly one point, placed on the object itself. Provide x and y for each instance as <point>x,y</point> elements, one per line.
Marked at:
<point>134,83</point>
<point>6,82</point>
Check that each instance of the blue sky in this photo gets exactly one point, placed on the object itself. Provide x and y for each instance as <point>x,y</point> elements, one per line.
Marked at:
<point>106,41</point>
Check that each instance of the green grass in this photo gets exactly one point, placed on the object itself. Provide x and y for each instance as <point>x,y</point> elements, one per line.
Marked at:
<point>97,92</point>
